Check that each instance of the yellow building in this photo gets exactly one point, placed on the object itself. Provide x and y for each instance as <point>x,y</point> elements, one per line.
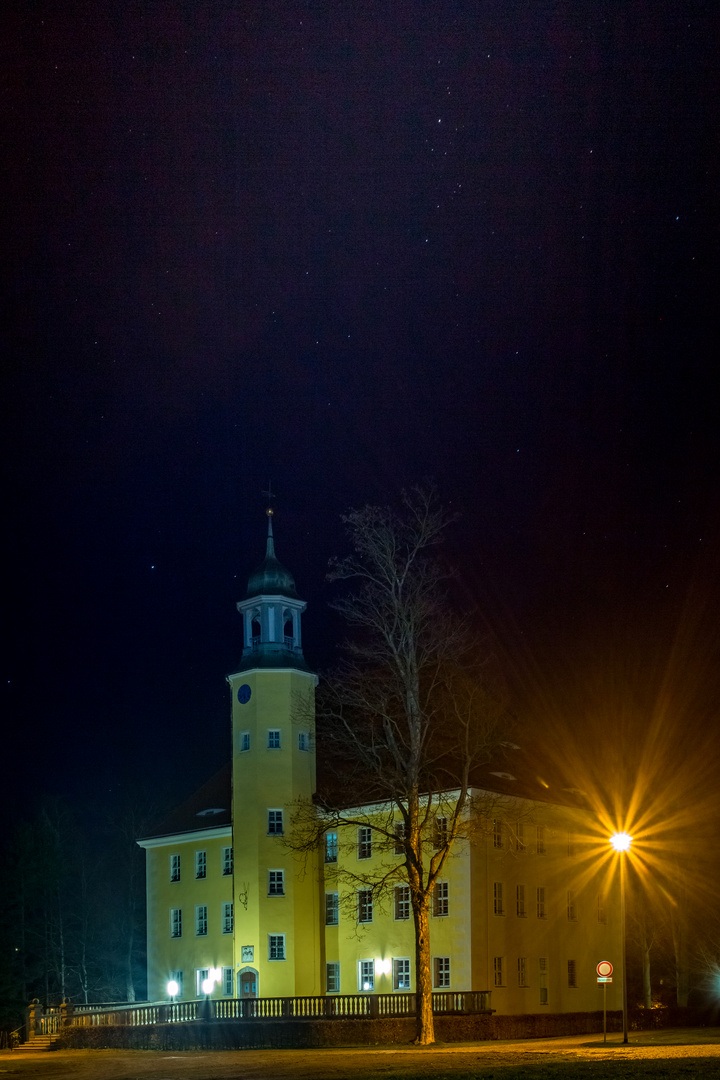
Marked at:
<point>521,912</point>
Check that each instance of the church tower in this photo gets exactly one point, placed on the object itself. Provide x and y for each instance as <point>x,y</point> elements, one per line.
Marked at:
<point>276,897</point>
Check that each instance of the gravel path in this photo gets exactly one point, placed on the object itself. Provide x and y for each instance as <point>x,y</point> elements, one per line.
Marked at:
<point>687,1054</point>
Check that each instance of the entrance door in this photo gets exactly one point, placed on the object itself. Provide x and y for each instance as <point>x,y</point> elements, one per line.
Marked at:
<point>247,983</point>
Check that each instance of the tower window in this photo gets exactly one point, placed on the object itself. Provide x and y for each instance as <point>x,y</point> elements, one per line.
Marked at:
<point>276,882</point>
<point>255,632</point>
<point>276,946</point>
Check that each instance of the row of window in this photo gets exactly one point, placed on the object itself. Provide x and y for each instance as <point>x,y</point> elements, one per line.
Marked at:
<point>273,740</point>
<point>521,903</point>
<point>201,920</point>
<point>523,974</point>
<point>401,979</point>
<point>365,840</point>
<point>366,972</point>
<point>201,866</point>
<point>440,905</point>
<point>505,836</point>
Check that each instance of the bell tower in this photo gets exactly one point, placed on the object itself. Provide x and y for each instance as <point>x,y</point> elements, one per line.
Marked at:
<point>276,901</point>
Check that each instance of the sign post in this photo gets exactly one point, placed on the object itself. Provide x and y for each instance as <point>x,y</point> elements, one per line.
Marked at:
<point>604,976</point>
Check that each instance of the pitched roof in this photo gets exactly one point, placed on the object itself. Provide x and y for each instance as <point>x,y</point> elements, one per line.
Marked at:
<point>210,807</point>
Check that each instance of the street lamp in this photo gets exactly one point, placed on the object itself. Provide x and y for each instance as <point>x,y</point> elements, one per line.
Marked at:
<point>621,842</point>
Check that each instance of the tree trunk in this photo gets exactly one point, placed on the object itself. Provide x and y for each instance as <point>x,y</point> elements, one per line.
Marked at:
<point>647,986</point>
<point>423,975</point>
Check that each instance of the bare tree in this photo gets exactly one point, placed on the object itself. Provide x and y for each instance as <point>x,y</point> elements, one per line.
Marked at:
<point>407,718</point>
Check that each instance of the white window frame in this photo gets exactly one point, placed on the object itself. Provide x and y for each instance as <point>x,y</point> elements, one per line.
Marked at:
<point>364,906</point>
<point>332,977</point>
<point>227,862</point>
<point>540,900</point>
<point>440,832</point>
<point>276,944</point>
<point>201,920</point>
<point>399,837</point>
<point>201,974</point>
<point>364,842</point>
<point>175,922</point>
<point>177,976</point>
<point>441,972</point>
<point>276,883</point>
<point>275,822</point>
<point>304,741</point>
<point>226,917</point>
<point>366,976</point>
<point>441,900</point>
<point>522,972</point>
<point>174,868</point>
<point>401,902</point>
<point>520,835</point>
<point>332,909</point>
<point>520,905</point>
<point>401,973</point>
<point>273,739</point>
<point>200,865</point>
<point>498,898</point>
<point>498,834</point>
<point>227,981</point>
<point>244,742</point>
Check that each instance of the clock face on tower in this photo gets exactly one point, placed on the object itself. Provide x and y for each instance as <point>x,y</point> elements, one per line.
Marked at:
<point>243,694</point>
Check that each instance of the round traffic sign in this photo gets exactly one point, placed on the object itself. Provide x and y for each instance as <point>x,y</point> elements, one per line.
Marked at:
<point>604,969</point>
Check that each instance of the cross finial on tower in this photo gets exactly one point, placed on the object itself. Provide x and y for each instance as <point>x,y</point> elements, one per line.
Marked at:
<point>270,496</point>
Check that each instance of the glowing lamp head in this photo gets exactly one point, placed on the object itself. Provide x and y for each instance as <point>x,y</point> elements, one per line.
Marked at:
<point>621,841</point>
<point>207,986</point>
<point>172,988</point>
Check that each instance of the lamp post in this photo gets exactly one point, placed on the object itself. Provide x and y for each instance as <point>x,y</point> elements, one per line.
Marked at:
<point>621,842</point>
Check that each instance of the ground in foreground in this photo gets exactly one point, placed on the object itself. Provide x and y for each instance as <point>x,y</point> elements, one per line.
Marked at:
<point>688,1054</point>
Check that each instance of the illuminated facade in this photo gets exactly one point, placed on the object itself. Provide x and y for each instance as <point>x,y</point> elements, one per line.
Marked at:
<point>519,913</point>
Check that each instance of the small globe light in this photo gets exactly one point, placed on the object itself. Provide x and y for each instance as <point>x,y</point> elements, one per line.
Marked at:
<point>172,988</point>
<point>621,841</point>
<point>207,986</point>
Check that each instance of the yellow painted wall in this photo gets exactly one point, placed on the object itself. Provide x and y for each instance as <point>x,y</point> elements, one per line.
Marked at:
<point>266,779</point>
<point>189,952</point>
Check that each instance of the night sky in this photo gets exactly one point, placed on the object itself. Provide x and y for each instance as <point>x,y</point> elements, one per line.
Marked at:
<point>344,246</point>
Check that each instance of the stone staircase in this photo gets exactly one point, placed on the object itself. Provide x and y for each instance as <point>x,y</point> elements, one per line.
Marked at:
<point>37,1043</point>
